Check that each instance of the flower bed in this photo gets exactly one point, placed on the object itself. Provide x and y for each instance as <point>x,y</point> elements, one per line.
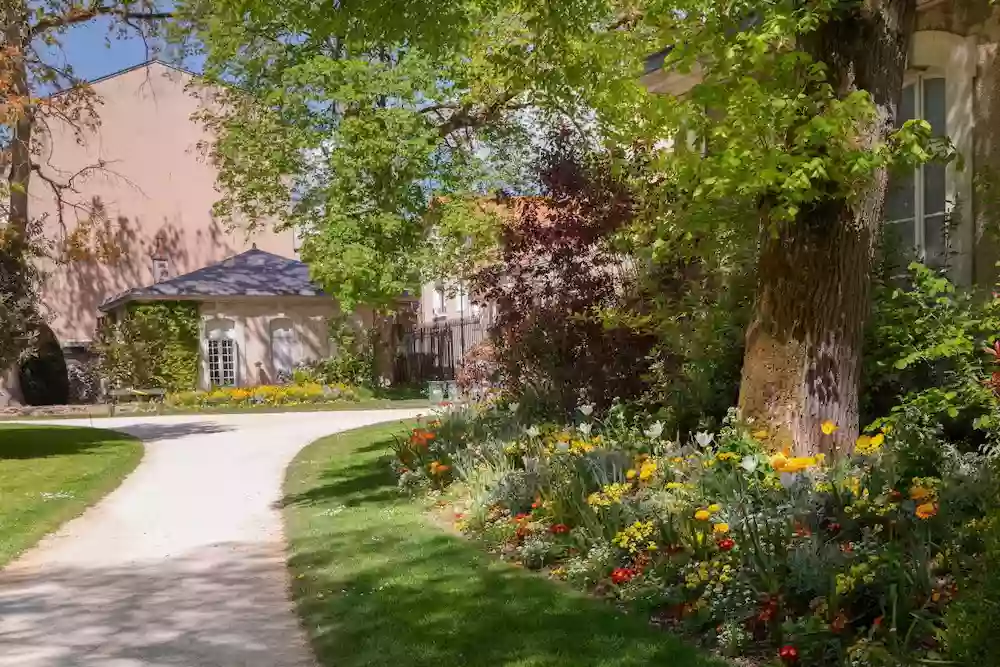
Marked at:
<point>852,560</point>
<point>264,395</point>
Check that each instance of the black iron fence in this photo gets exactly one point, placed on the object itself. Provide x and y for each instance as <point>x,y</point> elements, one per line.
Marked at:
<point>434,351</point>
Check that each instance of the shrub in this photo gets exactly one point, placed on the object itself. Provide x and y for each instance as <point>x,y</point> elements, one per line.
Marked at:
<point>563,292</point>
<point>925,351</point>
<point>152,345</point>
<point>973,619</point>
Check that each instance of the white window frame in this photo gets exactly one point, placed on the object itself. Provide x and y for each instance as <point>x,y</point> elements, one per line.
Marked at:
<point>918,81</point>
<point>221,333</point>
<point>954,58</point>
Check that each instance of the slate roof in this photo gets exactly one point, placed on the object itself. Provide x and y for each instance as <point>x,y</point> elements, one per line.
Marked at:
<point>251,273</point>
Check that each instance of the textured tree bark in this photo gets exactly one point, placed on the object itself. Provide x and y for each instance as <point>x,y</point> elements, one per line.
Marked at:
<point>17,99</point>
<point>803,347</point>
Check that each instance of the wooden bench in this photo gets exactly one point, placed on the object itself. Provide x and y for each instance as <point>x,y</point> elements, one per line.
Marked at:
<point>152,395</point>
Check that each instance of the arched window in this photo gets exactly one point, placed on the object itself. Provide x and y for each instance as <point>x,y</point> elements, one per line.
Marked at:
<point>221,350</point>
<point>284,346</point>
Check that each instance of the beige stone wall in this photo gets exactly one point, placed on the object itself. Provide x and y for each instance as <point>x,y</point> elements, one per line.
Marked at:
<point>253,319</point>
<point>155,194</point>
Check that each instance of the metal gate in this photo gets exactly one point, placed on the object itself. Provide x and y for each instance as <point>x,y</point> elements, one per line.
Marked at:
<point>434,351</point>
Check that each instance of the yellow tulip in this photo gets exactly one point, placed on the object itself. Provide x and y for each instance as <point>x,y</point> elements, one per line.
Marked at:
<point>702,515</point>
<point>828,427</point>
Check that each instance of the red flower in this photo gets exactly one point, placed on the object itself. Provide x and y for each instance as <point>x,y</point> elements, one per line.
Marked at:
<point>788,653</point>
<point>535,505</point>
<point>459,515</point>
<point>877,623</point>
<point>839,623</point>
<point>622,575</point>
<point>520,517</point>
<point>834,527</point>
<point>727,543</point>
<point>559,529</point>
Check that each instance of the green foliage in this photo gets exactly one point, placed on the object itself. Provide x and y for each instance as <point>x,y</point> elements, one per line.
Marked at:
<point>973,620</point>
<point>352,361</point>
<point>925,350</point>
<point>153,345</point>
<point>350,123</point>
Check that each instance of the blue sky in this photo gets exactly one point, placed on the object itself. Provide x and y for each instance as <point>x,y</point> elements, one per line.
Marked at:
<point>95,52</point>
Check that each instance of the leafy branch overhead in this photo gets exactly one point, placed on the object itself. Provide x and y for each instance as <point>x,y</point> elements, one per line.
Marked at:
<point>349,122</point>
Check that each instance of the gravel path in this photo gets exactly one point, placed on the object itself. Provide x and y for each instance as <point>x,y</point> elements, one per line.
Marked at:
<point>183,564</point>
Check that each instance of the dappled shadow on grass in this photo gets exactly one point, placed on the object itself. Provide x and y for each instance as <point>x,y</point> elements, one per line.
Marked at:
<point>378,585</point>
<point>366,480</point>
<point>29,441</point>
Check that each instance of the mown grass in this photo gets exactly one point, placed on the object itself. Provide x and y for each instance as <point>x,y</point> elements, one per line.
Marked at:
<point>377,584</point>
<point>50,474</point>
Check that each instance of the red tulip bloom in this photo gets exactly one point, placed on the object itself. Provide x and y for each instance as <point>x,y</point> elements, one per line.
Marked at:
<point>622,575</point>
<point>559,529</point>
<point>788,654</point>
<point>727,543</point>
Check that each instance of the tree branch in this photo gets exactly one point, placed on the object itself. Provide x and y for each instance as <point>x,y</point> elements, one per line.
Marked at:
<point>83,15</point>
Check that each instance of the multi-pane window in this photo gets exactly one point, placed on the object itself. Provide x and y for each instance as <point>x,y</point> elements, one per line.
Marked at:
<point>222,362</point>
<point>916,203</point>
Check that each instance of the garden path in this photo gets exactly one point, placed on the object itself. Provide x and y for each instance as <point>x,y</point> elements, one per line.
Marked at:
<point>183,564</point>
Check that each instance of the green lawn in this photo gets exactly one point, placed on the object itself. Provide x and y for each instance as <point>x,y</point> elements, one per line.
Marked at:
<point>378,584</point>
<point>50,474</point>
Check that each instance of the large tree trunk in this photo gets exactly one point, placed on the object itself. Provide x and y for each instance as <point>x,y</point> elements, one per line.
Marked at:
<point>803,353</point>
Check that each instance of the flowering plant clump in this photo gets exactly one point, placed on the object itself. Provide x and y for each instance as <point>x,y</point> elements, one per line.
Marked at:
<point>264,395</point>
<point>827,561</point>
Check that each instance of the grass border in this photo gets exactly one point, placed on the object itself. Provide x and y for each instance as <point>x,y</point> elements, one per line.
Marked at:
<point>63,510</point>
<point>378,582</point>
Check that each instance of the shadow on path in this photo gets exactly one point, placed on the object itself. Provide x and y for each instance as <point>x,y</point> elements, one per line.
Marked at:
<point>223,606</point>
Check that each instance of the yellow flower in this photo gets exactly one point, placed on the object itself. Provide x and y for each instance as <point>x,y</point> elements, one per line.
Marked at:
<point>674,485</point>
<point>926,510</point>
<point>726,456</point>
<point>866,445</point>
<point>828,427</point>
<point>920,493</point>
<point>714,507</point>
<point>798,464</point>
<point>778,462</point>
<point>702,515</point>
<point>820,458</point>
<point>630,474</point>
<point>760,435</point>
<point>720,528</point>
<point>647,470</point>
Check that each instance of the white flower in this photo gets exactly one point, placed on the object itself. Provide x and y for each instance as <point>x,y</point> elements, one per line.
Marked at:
<point>789,479</point>
<point>704,438</point>
<point>749,463</point>
<point>532,431</point>
<point>585,429</point>
<point>513,407</point>
<point>562,447</point>
<point>655,430</point>
<point>587,409</point>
